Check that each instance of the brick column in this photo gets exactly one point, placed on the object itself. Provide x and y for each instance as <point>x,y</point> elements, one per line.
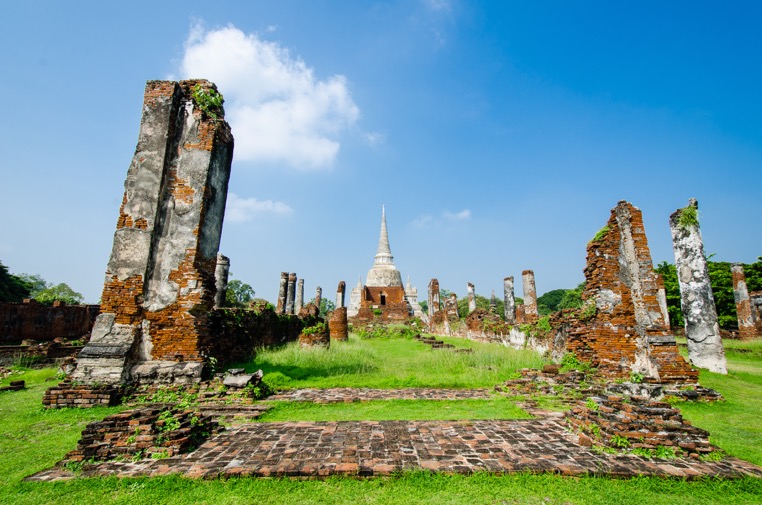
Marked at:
<point>530,296</point>
<point>746,327</point>
<point>471,297</point>
<point>510,301</point>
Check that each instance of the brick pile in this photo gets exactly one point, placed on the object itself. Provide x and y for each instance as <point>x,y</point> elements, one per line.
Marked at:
<point>69,394</point>
<point>642,422</point>
<point>142,432</point>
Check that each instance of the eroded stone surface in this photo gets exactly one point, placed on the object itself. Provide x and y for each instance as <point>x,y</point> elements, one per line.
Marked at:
<point>510,301</point>
<point>746,327</point>
<point>701,328</point>
<point>530,296</point>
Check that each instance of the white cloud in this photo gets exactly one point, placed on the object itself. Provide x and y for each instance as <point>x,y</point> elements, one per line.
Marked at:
<point>279,111</point>
<point>457,216</point>
<point>374,138</point>
<point>240,210</point>
<point>422,221</point>
<point>438,5</point>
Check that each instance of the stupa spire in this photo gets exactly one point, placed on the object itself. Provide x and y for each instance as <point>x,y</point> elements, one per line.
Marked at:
<point>384,252</point>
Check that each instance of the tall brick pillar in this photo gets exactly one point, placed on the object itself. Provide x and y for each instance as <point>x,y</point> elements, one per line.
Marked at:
<point>746,327</point>
<point>299,296</point>
<point>433,307</point>
<point>701,329</point>
<point>291,294</point>
<point>471,297</point>
<point>338,324</point>
<point>282,293</point>
<point>530,296</point>
<point>318,296</point>
<point>221,273</point>
<point>160,278</point>
<point>510,301</point>
<point>661,296</point>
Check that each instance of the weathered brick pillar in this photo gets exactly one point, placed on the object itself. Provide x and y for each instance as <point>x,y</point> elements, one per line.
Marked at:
<point>530,296</point>
<point>299,295</point>
<point>433,307</point>
<point>160,278</point>
<point>746,327</point>
<point>451,306</point>
<point>493,303</point>
<point>471,297</point>
<point>661,296</point>
<point>338,325</point>
<point>282,293</point>
<point>510,301</point>
<point>701,329</point>
<point>221,280</point>
<point>291,293</point>
<point>318,296</point>
<point>340,292</point>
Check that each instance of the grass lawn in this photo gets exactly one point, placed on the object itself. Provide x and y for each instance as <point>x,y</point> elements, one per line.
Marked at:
<point>32,439</point>
<point>390,363</point>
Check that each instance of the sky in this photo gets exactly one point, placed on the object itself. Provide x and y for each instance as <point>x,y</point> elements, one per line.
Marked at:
<point>498,134</point>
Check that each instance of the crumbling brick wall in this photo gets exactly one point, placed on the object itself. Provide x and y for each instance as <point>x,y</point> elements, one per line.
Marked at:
<point>160,279</point>
<point>33,321</point>
<point>627,333</point>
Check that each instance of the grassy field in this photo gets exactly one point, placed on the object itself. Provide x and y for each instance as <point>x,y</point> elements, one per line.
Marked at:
<point>32,439</point>
<point>390,363</point>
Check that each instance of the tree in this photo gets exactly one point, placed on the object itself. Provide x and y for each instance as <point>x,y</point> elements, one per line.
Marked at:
<point>46,293</point>
<point>550,300</point>
<point>326,306</point>
<point>424,306</point>
<point>722,288</point>
<point>59,293</point>
<point>12,288</point>
<point>238,294</point>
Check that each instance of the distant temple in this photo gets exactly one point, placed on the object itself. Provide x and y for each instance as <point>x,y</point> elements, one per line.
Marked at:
<point>383,297</point>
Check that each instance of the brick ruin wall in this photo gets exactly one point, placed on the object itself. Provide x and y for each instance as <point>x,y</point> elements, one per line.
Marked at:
<point>394,310</point>
<point>628,332</point>
<point>33,321</point>
<point>160,279</point>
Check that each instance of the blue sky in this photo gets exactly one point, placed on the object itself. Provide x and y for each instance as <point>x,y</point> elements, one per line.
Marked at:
<point>498,134</point>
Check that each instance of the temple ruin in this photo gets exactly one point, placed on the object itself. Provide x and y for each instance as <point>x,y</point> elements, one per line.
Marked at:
<point>383,296</point>
<point>746,324</point>
<point>622,330</point>
<point>160,278</point>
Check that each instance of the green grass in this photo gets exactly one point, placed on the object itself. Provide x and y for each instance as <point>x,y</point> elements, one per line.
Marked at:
<point>404,489</point>
<point>390,363</point>
<point>734,424</point>
<point>33,438</point>
<point>390,410</point>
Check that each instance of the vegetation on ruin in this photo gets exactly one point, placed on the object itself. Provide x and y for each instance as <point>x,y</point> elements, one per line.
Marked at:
<point>32,439</point>
<point>314,329</point>
<point>600,234</point>
<point>688,217</point>
<point>394,362</point>
<point>209,100</point>
<point>722,290</point>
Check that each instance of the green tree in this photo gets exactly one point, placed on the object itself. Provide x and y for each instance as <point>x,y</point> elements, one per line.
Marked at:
<point>326,306</point>
<point>12,288</point>
<point>59,293</point>
<point>722,289</point>
<point>238,294</point>
<point>35,282</point>
<point>424,306</point>
<point>550,300</point>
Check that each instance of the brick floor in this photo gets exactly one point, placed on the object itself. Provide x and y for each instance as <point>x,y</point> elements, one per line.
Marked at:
<point>373,448</point>
<point>348,395</point>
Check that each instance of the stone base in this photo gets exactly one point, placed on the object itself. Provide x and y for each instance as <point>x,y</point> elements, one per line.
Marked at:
<point>167,372</point>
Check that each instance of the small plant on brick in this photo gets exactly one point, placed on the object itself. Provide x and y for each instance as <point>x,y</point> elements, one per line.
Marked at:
<point>377,312</point>
<point>601,233</point>
<point>620,441</point>
<point>571,362</point>
<point>713,456</point>
<point>636,377</point>
<point>160,455</point>
<point>594,430</point>
<point>643,452</point>
<point>318,328</point>
<point>208,100</point>
<point>688,217</point>
<point>544,324</point>
<point>588,310</point>
<point>592,404</point>
<point>664,452</point>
